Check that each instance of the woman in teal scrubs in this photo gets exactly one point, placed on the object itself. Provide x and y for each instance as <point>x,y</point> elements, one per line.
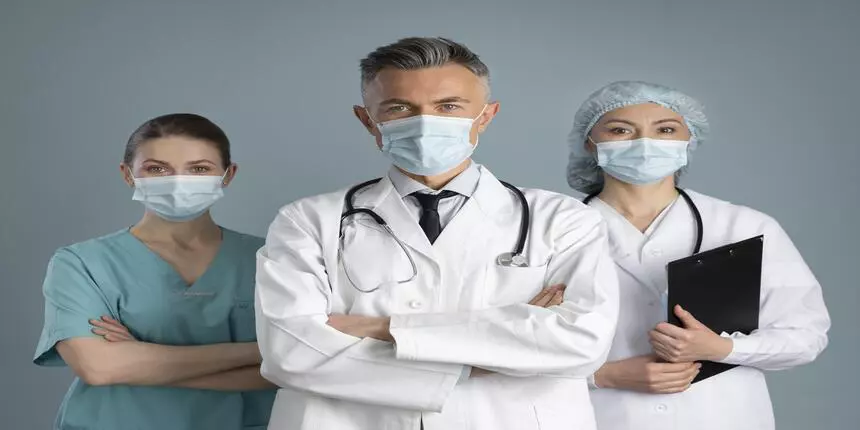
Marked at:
<point>157,320</point>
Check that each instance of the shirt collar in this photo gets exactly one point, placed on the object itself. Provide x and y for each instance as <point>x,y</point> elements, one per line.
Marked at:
<point>464,184</point>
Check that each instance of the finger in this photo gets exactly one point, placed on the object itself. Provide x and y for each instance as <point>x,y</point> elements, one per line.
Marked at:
<point>687,318</point>
<point>557,299</point>
<point>543,298</point>
<point>108,321</point>
<point>663,339</point>
<point>111,336</point>
<point>110,327</point>
<point>558,287</point>
<point>663,353</point>
<point>539,297</point>
<point>671,330</point>
<point>672,389</point>
<point>674,368</point>
<point>675,381</point>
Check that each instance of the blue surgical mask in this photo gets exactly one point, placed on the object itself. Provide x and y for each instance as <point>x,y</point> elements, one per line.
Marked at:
<point>179,198</point>
<point>641,161</point>
<point>427,145</point>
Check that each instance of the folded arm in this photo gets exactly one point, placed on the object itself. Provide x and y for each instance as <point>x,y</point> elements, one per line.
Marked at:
<point>239,379</point>
<point>571,339</point>
<point>73,298</point>
<point>301,350</point>
<point>100,362</point>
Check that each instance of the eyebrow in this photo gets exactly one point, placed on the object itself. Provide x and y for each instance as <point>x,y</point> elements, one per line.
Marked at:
<point>395,101</point>
<point>200,162</point>
<point>621,121</point>
<point>152,160</point>
<point>454,99</point>
<point>662,121</point>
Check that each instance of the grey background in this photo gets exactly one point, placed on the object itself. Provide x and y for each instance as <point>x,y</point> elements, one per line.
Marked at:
<point>779,78</point>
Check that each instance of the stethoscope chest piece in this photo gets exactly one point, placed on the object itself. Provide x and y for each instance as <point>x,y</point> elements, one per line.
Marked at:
<point>510,259</point>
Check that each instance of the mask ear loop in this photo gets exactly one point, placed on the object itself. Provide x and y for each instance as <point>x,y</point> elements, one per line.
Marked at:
<point>131,176</point>
<point>478,137</point>
<point>224,176</point>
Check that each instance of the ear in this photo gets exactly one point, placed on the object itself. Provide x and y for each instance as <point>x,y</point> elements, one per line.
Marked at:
<point>127,176</point>
<point>229,175</point>
<point>487,116</point>
<point>362,115</point>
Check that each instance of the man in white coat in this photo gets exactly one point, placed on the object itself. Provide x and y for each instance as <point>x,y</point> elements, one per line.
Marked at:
<point>400,314</point>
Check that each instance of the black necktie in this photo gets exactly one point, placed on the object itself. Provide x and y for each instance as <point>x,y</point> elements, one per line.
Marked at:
<point>430,214</point>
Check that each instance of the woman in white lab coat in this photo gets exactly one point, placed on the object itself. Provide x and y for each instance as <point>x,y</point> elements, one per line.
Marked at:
<point>629,144</point>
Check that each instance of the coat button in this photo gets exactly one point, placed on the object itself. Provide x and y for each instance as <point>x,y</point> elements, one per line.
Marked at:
<point>661,408</point>
<point>415,304</point>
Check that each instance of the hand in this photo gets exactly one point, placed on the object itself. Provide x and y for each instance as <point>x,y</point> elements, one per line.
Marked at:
<point>645,374</point>
<point>361,326</point>
<point>549,296</point>
<point>477,371</point>
<point>694,342</point>
<point>111,330</point>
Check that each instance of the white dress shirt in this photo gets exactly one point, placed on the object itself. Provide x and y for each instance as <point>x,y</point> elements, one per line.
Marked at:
<point>463,184</point>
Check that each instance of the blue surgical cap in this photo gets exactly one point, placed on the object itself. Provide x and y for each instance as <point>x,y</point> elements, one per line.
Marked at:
<point>583,173</point>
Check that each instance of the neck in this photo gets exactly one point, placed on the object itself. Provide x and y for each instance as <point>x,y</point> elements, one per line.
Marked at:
<point>436,182</point>
<point>153,228</point>
<point>639,202</point>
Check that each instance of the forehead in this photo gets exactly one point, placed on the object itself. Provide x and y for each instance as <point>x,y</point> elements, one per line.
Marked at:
<point>177,150</point>
<point>644,112</point>
<point>450,80</point>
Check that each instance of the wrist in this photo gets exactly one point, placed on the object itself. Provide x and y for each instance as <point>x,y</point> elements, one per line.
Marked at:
<point>723,346</point>
<point>250,353</point>
<point>384,329</point>
<point>603,378</point>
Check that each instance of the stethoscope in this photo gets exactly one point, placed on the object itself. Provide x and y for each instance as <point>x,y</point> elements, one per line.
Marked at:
<point>508,259</point>
<point>693,208</point>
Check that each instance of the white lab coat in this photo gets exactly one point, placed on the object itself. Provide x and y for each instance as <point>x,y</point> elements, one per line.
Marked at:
<point>462,309</point>
<point>793,320</point>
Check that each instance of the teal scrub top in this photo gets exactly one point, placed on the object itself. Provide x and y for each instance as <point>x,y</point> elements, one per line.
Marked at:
<point>119,276</point>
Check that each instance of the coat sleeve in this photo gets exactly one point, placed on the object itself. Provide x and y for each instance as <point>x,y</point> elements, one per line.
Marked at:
<point>301,351</point>
<point>793,319</point>
<point>572,339</point>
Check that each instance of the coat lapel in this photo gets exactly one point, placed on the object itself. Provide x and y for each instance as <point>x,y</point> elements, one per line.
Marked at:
<point>383,199</point>
<point>476,222</point>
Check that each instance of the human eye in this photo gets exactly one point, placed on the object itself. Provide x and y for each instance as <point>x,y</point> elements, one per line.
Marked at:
<point>200,169</point>
<point>396,109</point>
<point>449,107</point>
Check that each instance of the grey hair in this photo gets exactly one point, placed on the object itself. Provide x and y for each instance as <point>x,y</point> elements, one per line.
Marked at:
<point>420,53</point>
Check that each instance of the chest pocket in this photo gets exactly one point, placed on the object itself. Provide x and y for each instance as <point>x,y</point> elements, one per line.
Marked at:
<point>505,285</point>
<point>242,325</point>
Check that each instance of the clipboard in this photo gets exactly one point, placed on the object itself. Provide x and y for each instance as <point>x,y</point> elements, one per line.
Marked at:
<point>721,287</point>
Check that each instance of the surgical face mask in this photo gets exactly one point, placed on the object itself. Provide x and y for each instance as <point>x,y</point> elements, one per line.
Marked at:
<point>178,198</point>
<point>427,145</point>
<point>641,161</point>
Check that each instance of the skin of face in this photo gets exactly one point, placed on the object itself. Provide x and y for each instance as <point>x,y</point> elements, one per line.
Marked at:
<point>176,155</point>
<point>637,121</point>
<point>449,90</point>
